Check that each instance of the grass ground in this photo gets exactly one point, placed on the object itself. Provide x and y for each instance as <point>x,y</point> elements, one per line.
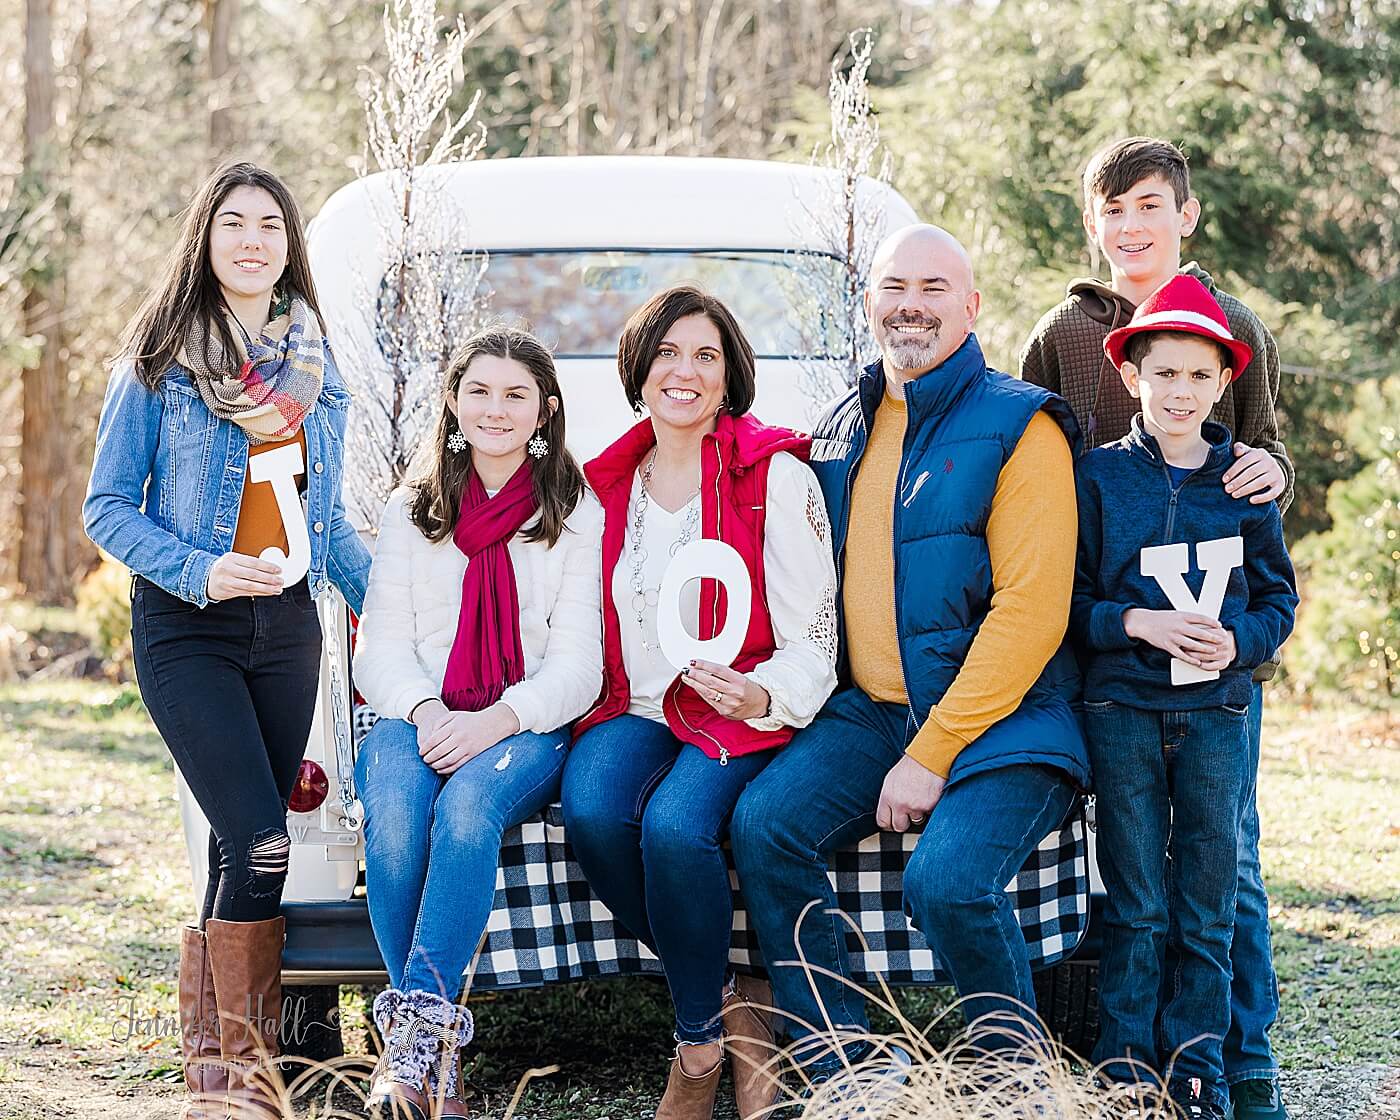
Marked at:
<point>95,883</point>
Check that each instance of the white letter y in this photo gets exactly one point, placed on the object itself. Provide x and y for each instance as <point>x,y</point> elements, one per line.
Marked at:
<point>1168,563</point>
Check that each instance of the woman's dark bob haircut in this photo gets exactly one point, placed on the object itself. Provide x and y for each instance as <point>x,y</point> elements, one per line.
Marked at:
<point>646,330</point>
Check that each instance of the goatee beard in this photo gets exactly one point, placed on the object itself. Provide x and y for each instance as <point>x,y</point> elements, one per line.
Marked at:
<point>912,356</point>
<point>909,354</point>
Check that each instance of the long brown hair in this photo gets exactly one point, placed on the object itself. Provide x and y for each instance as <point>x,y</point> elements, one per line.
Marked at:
<point>188,289</point>
<point>557,479</point>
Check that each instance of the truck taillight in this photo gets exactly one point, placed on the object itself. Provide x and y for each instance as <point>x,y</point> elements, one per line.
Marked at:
<point>310,789</point>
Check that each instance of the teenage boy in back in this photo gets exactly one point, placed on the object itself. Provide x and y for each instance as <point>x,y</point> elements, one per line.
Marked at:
<point>1181,591</point>
<point>1137,208</point>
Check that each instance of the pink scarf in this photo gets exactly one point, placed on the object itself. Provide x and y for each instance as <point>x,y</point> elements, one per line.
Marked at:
<point>486,655</point>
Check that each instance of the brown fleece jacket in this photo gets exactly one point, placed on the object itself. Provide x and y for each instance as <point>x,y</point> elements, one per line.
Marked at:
<point>1065,354</point>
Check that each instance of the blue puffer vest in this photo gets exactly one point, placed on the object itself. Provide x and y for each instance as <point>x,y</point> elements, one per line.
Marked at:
<point>964,421</point>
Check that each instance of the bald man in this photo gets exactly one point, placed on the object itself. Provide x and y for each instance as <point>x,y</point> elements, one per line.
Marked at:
<point>951,493</point>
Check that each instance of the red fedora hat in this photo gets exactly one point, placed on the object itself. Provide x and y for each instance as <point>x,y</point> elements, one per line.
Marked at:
<point>1183,304</point>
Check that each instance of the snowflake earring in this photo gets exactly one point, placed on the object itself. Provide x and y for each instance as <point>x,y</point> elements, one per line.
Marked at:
<point>457,442</point>
<point>538,447</point>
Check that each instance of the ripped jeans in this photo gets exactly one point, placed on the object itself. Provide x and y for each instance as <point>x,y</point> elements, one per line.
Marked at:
<point>231,688</point>
<point>433,843</point>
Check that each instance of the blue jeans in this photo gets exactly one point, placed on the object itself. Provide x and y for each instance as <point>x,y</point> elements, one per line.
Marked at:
<point>1169,784</point>
<point>1254,985</point>
<point>433,843</point>
<point>646,816</point>
<point>820,794</point>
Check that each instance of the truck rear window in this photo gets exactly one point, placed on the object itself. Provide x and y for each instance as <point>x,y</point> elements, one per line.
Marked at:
<point>577,300</point>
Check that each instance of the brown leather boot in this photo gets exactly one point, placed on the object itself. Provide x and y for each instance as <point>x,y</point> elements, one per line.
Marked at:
<point>206,1077</point>
<point>687,1097</point>
<point>748,1040</point>
<point>390,1099</point>
<point>246,960</point>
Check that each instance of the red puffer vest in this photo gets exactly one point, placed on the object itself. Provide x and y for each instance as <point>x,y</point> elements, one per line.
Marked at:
<point>733,489</point>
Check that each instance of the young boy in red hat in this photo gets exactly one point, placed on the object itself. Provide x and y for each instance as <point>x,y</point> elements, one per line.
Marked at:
<point>1138,207</point>
<point>1181,591</point>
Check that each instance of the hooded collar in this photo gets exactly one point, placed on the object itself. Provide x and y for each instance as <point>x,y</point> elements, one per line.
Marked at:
<point>931,393</point>
<point>1221,452</point>
<point>1191,268</point>
<point>1102,304</point>
<point>741,442</point>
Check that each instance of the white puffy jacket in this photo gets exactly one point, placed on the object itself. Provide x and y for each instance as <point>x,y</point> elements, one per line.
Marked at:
<point>415,595</point>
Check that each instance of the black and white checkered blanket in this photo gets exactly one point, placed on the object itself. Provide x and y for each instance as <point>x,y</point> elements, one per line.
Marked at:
<point>547,925</point>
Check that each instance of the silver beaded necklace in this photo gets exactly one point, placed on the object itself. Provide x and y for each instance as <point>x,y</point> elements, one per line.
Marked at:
<point>643,596</point>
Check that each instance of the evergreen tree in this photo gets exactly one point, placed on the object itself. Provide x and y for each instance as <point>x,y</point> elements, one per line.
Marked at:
<point>1349,629</point>
<point>1285,109</point>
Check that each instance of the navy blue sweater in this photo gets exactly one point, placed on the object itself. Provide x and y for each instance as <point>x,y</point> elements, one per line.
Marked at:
<point>1127,503</point>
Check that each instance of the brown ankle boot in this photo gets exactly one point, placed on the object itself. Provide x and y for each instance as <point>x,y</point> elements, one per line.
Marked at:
<point>748,1040</point>
<point>246,960</point>
<point>390,1099</point>
<point>687,1097</point>
<point>206,1077</point>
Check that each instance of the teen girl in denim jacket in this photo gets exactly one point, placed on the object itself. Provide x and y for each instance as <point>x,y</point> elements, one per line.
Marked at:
<point>224,418</point>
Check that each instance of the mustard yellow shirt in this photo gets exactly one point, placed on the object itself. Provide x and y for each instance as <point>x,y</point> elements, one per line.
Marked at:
<point>1032,533</point>
<point>872,645</point>
<point>259,517</point>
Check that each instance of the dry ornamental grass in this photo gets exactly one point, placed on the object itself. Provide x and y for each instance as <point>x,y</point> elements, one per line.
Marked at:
<point>95,884</point>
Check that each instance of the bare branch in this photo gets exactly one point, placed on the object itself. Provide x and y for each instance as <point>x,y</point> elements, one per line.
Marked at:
<point>846,226</point>
<point>431,294</point>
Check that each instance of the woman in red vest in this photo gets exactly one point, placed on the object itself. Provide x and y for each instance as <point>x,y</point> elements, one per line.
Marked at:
<point>659,762</point>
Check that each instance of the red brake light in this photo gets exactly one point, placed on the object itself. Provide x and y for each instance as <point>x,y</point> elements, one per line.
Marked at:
<point>310,789</point>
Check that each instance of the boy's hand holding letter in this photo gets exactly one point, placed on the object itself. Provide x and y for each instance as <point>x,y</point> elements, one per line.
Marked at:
<point>1168,565</point>
<point>1196,639</point>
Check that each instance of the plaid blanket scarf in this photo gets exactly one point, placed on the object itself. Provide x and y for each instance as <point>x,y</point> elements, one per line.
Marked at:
<point>270,383</point>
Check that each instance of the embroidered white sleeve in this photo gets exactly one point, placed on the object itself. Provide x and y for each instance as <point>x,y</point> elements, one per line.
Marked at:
<point>821,628</point>
<point>800,579</point>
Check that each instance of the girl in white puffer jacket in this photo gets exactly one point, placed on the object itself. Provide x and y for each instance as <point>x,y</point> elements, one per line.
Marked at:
<point>480,642</point>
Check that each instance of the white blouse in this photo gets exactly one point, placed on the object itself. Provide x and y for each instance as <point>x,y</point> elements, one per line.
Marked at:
<point>800,575</point>
<point>415,597</point>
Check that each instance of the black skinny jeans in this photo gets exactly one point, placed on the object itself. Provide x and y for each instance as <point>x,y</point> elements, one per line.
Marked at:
<point>232,688</point>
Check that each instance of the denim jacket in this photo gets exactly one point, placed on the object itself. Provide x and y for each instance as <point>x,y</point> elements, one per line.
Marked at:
<point>167,485</point>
